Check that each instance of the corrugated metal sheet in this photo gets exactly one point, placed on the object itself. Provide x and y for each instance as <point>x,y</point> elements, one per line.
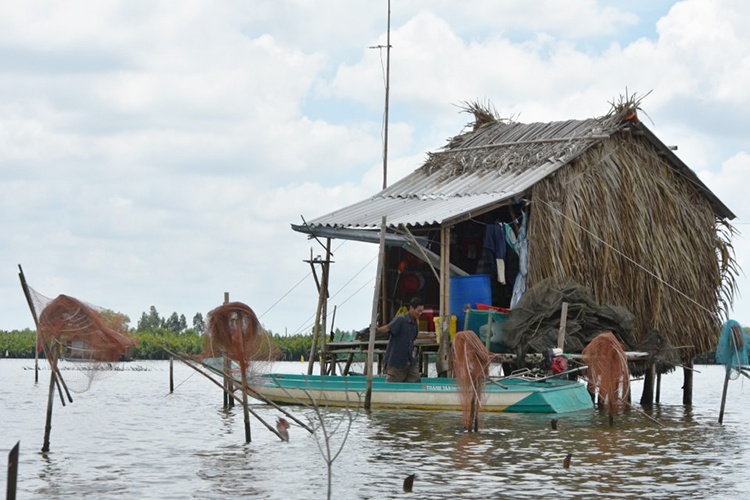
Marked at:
<point>488,168</point>
<point>419,200</point>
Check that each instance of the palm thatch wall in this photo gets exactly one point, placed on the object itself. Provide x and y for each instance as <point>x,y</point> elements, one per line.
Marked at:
<point>619,221</point>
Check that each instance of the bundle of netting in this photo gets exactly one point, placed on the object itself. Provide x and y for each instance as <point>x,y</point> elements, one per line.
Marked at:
<point>733,348</point>
<point>70,328</point>
<point>233,331</point>
<point>608,371</point>
<point>471,362</point>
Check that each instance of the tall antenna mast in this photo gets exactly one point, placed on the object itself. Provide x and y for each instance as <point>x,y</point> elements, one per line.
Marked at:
<point>387,88</point>
<point>387,92</point>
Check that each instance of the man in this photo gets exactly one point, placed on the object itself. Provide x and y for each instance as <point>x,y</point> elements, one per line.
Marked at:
<point>400,363</point>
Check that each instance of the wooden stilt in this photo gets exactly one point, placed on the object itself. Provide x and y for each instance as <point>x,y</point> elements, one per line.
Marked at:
<point>724,396</point>
<point>171,374</point>
<point>687,389</point>
<point>658,388</point>
<point>647,397</point>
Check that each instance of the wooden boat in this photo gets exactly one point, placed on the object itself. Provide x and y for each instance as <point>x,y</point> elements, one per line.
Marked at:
<point>520,394</point>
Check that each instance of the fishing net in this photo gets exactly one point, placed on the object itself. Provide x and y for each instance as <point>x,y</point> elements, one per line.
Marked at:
<point>733,347</point>
<point>608,370</point>
<point>534,322</point>
<point>233,331</point>
<point>71,330</point>
<point>471,362</point>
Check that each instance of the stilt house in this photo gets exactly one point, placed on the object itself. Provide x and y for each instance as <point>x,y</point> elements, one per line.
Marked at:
<point>601,202</point>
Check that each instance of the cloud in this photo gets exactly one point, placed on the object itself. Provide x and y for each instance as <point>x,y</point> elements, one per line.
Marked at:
<point>156,156</point>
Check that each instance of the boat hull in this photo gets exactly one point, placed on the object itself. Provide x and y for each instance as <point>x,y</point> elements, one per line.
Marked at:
<point>507,395</point>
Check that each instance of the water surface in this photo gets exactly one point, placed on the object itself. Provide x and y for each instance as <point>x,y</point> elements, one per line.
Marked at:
<point>126,436</point>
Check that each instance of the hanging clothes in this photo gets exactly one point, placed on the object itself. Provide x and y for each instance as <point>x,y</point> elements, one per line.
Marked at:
<point>522,249</point>
<point>494,246</point>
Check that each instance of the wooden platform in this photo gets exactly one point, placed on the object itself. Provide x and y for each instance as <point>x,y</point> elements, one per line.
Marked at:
<point>337,353</point>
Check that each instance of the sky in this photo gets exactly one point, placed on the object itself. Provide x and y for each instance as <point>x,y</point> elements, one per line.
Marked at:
<point>155,153</point>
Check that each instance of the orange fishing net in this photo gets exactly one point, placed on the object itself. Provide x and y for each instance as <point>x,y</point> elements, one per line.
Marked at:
<point>233,330</point>
<point>70,328</point>
<point>471,362</point>
<point>608,370</point>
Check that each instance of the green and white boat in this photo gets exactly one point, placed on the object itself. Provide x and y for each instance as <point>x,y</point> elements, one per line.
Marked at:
<point>509,394</point>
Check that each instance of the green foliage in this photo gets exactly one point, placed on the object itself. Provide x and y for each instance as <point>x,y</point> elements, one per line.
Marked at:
<point>155,344</point>
<point>17,344</point>
<point>293,347</point>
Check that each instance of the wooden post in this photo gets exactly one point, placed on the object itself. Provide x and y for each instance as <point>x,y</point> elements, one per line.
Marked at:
<point>322,300</point>
<point>171,374</point>
<point>12,472</point>
<point>374,315</point>
<point>647,398</point>
<point>563,326</point>
<point>228,385</point>
<point>50,403</point>
<point>324,310</point>
<point>26,293</point>
<point>724,395</point>
<point>687,390</point>
<point>658,388</point>
<point>442,363</point>
<point>245,408</point>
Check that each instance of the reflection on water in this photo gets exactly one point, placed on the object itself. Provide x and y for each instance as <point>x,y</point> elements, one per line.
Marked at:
<point>126,437</point>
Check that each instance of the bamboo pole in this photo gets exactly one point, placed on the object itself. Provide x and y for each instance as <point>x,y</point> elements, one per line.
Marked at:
<point>442,363</point>
<point>26,293</point>
<point>243,376</point>
<point>563,326</point>
<point>228,386</point>
<point>245,406</point>
<point>171,374</point>
<point>316,328</point>
<point>374,317</point>
<point>50,403</point>
<point>189,362</point>
<point>724,395</point>
<point>387,94</point>
<point>324,309</point>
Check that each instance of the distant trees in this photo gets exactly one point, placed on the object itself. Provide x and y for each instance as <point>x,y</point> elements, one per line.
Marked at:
<point>153,322</point>
<point>156,335</point>
<point>198,324</point>
<point>17,343</point>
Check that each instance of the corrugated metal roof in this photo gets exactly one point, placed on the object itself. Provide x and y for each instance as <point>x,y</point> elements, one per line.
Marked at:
<point>451,185</point>
<point>485,168</point>
<point>418,200</point>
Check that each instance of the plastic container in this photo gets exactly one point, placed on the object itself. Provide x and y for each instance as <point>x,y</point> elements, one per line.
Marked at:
<point>479,323</point>
<point>451,327</point>
<point>427,320</point>
<point>472,289</point>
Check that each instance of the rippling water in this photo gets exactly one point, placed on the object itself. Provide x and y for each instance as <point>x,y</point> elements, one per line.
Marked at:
<point>127,437</point>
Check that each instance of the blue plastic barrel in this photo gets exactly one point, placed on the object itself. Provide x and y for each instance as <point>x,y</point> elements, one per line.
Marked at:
<point>470,290</point>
